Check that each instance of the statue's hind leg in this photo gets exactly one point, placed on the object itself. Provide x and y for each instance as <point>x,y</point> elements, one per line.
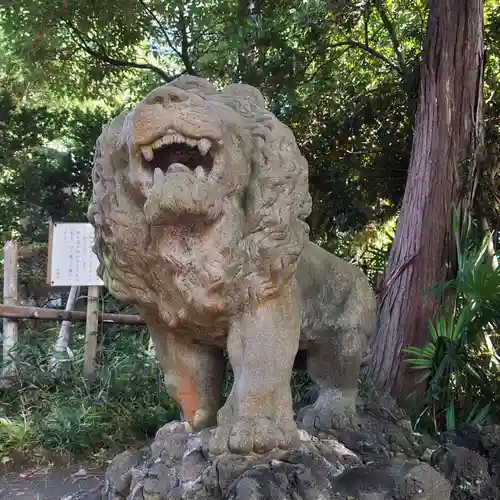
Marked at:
<point>334,367</point>
<point>193,376</point>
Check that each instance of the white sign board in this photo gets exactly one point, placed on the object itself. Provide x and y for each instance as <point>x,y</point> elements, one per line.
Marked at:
<point>72,261</point>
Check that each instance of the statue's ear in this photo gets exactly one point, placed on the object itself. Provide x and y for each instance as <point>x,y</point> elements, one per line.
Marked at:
<point>246,92</point>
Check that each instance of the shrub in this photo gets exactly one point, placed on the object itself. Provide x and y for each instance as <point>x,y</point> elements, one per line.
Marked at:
<point>461,361</point>
<point>124,401</point>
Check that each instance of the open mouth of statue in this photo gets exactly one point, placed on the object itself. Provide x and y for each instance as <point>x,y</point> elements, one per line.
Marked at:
<point>175,153</point>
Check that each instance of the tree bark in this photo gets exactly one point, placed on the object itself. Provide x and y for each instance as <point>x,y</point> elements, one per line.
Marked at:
<point>64,337</point>
<point>491,254</point>
<point>446,145</point>
<point>10,298</point>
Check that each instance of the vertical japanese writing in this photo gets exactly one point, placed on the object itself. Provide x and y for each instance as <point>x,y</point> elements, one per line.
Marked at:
<point>73,261</point>
<point>78,255</point>
<point>71,255</point>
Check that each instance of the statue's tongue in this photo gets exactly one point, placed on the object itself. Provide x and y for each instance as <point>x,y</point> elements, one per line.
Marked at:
<point>178,168</point>
<point>174,154</point>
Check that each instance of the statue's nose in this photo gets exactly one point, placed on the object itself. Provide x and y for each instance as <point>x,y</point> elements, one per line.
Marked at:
<point>166,96</point>
<point>155,113</point>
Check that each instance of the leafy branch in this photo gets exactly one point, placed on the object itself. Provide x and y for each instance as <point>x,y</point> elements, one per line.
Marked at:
<point>366,48</point>
<point>183,54</point>
<point>400,67</point>
<point>153,15</point>
<point>103,56</point>
<point>381,9</point>
<point>185,44</point>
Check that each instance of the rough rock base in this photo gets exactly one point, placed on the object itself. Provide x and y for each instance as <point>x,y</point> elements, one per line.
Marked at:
<point>175,467</point>
<point>379,459</point>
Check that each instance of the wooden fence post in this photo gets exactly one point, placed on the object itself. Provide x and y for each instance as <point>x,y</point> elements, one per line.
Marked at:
<point>91,330</point>
<point>10,298</point>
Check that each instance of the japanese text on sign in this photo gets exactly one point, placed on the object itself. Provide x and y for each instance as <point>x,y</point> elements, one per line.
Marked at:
<point>72,261</point>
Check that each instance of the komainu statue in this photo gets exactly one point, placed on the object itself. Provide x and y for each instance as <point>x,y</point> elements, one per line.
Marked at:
<point>200,198</point>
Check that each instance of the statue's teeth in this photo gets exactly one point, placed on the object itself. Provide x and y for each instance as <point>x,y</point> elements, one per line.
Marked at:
<point>204,146</point>
<point>147,152</point>
<point>170,139</point>
<point>158,176</point>
<point>174,138</point>
<point>200,173</point>
<point>159,142</point>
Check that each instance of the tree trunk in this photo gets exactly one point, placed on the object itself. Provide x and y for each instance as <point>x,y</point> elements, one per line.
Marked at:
<point>491,254</point>
<point>10,298</point>
<point>447,139</point>
<point>64,337</point>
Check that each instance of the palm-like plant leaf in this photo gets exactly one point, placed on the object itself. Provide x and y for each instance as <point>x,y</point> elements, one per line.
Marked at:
<point>461,361</point>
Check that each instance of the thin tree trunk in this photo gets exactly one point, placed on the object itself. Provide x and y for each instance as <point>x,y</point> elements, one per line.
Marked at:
<point>151,347</point>
<point>447,138</point>
<point>490,249</point>
<point>64,337</point>
<point>10,298</point>
<point>243,56</point>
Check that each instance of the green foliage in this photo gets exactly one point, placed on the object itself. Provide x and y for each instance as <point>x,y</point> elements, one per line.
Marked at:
<point>334,74</point>
<point>124,401</point>
<point>461,362</point>
<point>46,159</point>
<point>13,434</point>
<point>370,249</point>
<point>343,75</point>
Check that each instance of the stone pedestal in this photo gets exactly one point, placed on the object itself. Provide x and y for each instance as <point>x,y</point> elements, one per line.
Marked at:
<point>377,460</point>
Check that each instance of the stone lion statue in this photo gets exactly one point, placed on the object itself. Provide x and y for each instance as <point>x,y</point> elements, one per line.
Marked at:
<point>200,200</point>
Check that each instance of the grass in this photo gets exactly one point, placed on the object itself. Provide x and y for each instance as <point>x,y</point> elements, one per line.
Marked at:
<point>13,432</point>
<point>123,402</point>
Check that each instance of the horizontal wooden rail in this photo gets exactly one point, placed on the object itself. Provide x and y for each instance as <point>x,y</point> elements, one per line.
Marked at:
<point>23,312</point>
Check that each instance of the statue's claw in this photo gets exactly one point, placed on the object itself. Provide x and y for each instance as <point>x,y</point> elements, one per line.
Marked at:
<point>253,436</point>
<point>321,418</point>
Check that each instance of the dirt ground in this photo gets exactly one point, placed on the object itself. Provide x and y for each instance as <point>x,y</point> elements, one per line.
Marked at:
<point>49,476</point>
<point>48,482</point>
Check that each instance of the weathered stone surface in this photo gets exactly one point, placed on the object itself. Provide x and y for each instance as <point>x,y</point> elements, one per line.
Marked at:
<point>199,206</point>
<point>179,466</point>
<point>423,482</point>
<point>484,441</point>
<point>94,494</point>
<point>467,471</point>
<point>118,475</point>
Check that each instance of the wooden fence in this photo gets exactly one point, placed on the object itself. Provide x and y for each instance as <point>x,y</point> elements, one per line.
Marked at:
<point>12,312</point>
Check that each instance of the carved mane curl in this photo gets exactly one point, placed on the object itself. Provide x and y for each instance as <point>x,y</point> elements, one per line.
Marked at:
<point>278,200</point>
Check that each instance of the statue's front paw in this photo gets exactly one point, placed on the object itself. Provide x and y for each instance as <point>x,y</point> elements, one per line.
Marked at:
<point>325,418</point>
<point>250,435</point>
